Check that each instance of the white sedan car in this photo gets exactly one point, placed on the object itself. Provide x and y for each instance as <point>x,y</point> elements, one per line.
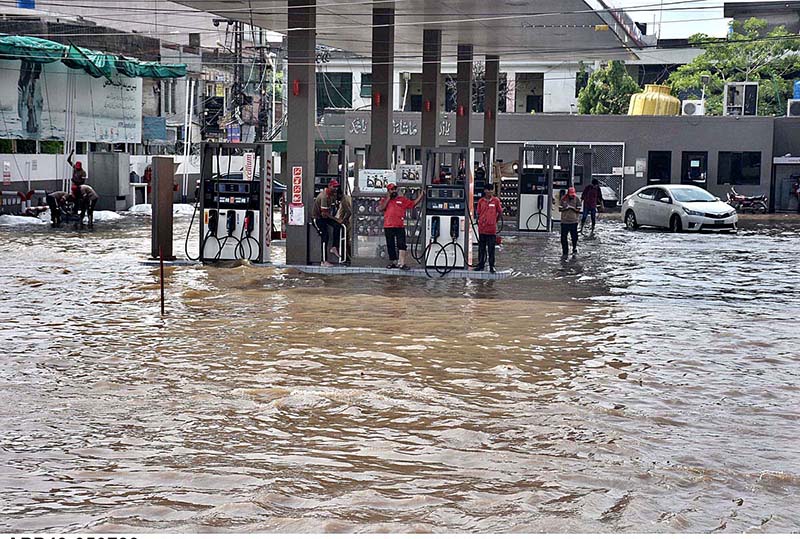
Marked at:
<point>678,208</point>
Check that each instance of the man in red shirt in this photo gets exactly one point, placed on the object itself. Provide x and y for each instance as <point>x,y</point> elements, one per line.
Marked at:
<point>488,212</point>
<point>394,207</point>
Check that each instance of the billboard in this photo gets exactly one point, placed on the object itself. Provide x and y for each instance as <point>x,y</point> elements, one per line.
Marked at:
<point>33,104</point>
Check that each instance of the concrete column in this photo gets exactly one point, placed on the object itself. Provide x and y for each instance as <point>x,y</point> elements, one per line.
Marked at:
<point>490,105</point>
<point>382,87</point>
<point>431,90</point>
<point>463,95</point>
<point>302,102</point>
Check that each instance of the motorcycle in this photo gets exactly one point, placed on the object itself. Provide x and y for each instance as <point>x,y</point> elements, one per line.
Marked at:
<point>743,203</point>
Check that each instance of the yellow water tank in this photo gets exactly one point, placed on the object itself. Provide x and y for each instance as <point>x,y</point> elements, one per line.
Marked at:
<point>654,101</point>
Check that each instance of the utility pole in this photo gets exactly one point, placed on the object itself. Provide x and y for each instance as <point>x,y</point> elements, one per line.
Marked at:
<point>238,75</point>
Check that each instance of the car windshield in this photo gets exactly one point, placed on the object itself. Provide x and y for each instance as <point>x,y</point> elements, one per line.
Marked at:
<point>692,194</point>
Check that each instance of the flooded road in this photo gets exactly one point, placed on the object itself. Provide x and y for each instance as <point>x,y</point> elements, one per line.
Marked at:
<point>649,385</point>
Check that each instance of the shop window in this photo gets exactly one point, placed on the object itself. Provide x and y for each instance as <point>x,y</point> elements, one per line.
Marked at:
<point>659,167</point>
<point>739,168</point>
<point>694,168</point>
<point>26,146</point>
<point>366,85</point>
<point>334,90</point>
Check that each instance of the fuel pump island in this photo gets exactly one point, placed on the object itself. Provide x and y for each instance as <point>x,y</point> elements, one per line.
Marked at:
<point>233,212</point>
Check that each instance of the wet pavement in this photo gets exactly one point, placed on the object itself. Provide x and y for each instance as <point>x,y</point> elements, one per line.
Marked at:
<point>647,385</point>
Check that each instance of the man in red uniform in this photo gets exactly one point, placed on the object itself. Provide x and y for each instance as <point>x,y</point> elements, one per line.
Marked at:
<point>488,212</point>
<point>394,209</point>
<point>78,175</point>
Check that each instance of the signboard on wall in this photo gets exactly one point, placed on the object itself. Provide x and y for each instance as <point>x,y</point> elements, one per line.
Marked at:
<point>33,104</point>
<point>409,174</point>
<point>375,180</point>
<point>154,128</point>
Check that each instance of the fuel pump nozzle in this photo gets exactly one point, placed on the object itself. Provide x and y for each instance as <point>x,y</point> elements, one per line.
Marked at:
<point>230,224</point>
<point>435,229</point>
<point>455,231</point>
<point>213,222</point>
<point>249,224</point>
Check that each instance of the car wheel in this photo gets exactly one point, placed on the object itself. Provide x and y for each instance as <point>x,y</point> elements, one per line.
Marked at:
<point>630,220</point>
<point>675,224</point>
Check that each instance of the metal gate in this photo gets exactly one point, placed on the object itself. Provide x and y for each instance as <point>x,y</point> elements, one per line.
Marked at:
<point>608,161</point>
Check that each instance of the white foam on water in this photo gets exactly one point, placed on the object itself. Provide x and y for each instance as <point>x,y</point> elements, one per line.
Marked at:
<point>177,209</point>
<point>20,220</point>
<point>106,215</point>
<point>376,355</point>
<point>481,334</point>
<point>143,209</point>
<point>506,370</point>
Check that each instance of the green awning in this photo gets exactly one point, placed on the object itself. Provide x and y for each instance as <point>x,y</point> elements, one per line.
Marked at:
<point>31,49</point>
<point>97,64</point>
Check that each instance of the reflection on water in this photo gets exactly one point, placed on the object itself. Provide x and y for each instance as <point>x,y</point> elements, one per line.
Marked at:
<point>648,385</point>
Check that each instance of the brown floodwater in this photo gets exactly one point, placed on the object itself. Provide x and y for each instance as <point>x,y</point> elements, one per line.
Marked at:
<point>648,385</point>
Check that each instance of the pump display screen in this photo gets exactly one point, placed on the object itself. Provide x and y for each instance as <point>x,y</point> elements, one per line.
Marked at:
<point>449,199</point>
<point>438,192</point>
<point>226,194</point>
<point>532,182</point>
<point>232,188</point>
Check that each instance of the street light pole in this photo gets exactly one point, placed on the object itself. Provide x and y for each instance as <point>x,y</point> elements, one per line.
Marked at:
<point>274,87</point>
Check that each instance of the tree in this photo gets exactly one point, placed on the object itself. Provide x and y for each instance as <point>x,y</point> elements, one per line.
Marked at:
<point>749,54</point>
<point>478,88</point>
<point>608,91</point>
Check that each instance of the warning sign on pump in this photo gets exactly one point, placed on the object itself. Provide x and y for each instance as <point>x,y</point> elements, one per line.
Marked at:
<point>297,185</point>
<point>297,215</point>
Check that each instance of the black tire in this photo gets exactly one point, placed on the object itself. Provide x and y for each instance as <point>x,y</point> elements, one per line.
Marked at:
<point>760,207</point>
<point>675,224</point>
<point>630,220</point>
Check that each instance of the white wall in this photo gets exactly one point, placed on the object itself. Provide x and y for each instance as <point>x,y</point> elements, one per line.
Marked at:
<point>559,89</point>
<point>42,167</point>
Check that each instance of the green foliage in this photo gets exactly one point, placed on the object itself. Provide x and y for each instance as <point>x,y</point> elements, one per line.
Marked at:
<point>749,54</point>
<point>608,91</point>
<point>51,146</point>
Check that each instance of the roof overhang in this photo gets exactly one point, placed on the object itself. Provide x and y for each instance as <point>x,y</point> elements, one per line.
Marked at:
<point>538,29</point>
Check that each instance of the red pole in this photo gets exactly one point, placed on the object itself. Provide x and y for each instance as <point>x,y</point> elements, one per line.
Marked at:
<point>161,257</point>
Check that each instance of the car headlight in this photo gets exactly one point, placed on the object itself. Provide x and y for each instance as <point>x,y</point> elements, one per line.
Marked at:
<point>692,212</point>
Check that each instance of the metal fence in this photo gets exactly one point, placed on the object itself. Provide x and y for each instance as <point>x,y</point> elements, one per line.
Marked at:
<point>608,160</point>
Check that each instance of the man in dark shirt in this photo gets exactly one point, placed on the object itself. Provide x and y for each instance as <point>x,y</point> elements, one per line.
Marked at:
<point>322,213</point>
<point>591,197</point>
<point>56,201</point>
<point>85,202</point>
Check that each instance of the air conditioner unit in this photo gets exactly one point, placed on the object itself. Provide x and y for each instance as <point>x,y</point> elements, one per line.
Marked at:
<point>793,107</point>
<point>693,107</point>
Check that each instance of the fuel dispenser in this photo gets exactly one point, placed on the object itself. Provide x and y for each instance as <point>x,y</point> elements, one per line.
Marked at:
<point>369,241</point>
<point>236,206</point>
<point>449,185</point>
<point>535,189</point>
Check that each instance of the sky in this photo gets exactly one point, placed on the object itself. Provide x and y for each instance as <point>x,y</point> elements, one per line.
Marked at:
<point>676,23</point>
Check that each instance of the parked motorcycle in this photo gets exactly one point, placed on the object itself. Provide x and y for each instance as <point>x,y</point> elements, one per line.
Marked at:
<point>743,203</point>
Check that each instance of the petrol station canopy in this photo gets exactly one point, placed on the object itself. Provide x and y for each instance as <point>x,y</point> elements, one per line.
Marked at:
<point>512,29</point>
